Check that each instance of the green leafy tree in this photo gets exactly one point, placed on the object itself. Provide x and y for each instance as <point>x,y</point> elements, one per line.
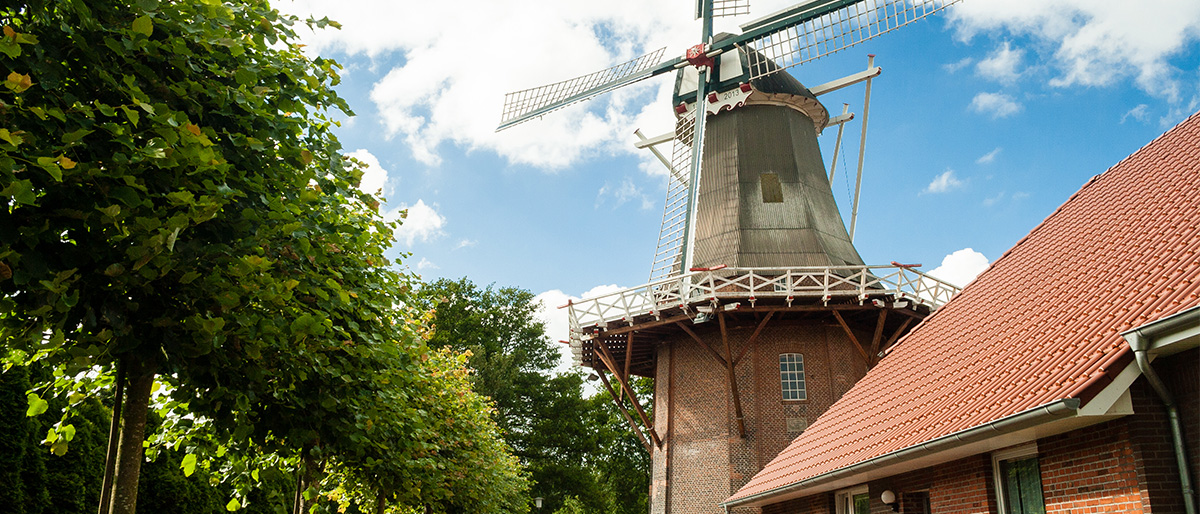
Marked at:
<point>544,416</point>
<point>619,460</point>
<point>174,205</point>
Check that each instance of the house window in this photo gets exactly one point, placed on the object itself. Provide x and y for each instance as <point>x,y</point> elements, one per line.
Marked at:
<point>855,500</point>
<point>791,376</point>
<point>1018,480</point>
<point>772,191</point>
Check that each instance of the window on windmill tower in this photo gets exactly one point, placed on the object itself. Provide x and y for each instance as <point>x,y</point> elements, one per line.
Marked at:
<point>791,376</point>
<point>772,191</point>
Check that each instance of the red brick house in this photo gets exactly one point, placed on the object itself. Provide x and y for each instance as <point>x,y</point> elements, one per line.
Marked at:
<point>1042,386</point>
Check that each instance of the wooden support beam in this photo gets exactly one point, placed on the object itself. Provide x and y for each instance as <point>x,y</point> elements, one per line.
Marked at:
<point>754,337</point>
<point>733,390</point>
<point>875,339</point>
<point>853,339</point>
<point>628,353</point>
<point>896,335</point>
<point>674,320</point>
<point>710,349</point>
<point>610,363</point>
<point>620,405</point>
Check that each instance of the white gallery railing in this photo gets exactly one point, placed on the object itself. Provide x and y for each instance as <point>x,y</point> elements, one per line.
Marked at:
<point>725,285</point>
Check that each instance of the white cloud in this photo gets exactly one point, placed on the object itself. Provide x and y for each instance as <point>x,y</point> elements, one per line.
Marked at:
<point>1138,113</point>
<point>375,177</point>
<point>989,157</point>
<point>426,264</point>
<point>997,105</point>
<point>1002,66</point>
<point>944,182</point>
<point>994,199</point>
<point>961,267</point>
<point>447,65</point>
<point>1095,43</point>
<point>958,65</point>
<point>622,194</point>
<point>465,243</point>
<point>422,222</point>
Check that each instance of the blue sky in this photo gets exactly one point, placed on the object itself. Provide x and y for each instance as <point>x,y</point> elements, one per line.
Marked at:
<point>985,119</point>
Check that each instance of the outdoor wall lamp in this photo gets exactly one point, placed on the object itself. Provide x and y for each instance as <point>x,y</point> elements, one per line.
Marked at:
<point>889,498</point>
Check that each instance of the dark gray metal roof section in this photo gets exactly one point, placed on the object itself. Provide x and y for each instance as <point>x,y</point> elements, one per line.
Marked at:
<point>737,224</point>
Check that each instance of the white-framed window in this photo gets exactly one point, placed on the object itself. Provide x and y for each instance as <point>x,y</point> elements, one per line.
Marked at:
<point>855,500</point>
<point>1018,480</point>
<point>791,376</point>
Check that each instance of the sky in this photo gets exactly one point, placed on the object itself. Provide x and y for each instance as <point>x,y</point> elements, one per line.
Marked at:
<point>986,118</point>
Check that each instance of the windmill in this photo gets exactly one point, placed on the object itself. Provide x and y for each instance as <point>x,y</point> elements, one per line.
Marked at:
<point>751,238</point>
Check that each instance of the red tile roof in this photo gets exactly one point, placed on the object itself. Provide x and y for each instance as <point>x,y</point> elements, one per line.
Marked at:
<point>1040,325</point>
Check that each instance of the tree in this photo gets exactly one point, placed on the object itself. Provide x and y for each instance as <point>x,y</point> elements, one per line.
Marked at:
<point>554,430</point>
<point>619,460</point>
<point>174,206</point>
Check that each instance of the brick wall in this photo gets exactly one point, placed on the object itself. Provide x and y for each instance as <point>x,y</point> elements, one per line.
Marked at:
<point>1093,469</point>
<point>963,487</point>
<point>704,459</point>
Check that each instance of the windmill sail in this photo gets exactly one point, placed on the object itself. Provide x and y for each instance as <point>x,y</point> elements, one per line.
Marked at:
<point>816,29</point>
<point>723,8</point>
<point>522,105</point>
<point>669,251</point>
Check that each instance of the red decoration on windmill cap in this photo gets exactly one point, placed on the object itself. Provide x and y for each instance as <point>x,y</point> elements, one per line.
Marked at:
<point>745,87</point>
<point>681,108</point>
<point>712,98</point>
<point>696,56</point>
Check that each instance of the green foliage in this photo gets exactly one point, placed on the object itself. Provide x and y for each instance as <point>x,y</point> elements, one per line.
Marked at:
<point>572,447</point>
<point>172,197</point>
<point>15,453</point>
<point>620,462</point>
<point>571,505</point>
<point>32,480</point>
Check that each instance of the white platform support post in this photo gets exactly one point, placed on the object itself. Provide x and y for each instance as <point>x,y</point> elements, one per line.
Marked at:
<point>862,148</point>
<point>838,145</point>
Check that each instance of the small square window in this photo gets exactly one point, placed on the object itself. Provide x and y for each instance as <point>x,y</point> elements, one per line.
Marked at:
<point>791,376</point>
<point>772,191</point>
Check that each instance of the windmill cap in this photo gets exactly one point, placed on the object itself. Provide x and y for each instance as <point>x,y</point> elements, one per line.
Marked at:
<point>776,83</point>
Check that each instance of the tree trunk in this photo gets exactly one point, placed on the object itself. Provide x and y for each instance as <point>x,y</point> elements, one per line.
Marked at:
<point>110,456</point>
<point>311,471</point>
<point>140,378</point>
<point>380,503</point>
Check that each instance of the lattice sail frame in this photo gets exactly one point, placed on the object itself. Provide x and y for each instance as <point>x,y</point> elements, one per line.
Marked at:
<point>723,8</point>
<point>669,251</point>
<point>525,104</point>
<point>792,44</point>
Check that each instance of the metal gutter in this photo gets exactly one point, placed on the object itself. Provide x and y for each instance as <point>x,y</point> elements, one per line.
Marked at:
<point>1019,421</point>
<point>1140,340</point>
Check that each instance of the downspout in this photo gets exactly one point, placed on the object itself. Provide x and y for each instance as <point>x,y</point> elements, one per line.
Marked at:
<point>1139,343</point>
